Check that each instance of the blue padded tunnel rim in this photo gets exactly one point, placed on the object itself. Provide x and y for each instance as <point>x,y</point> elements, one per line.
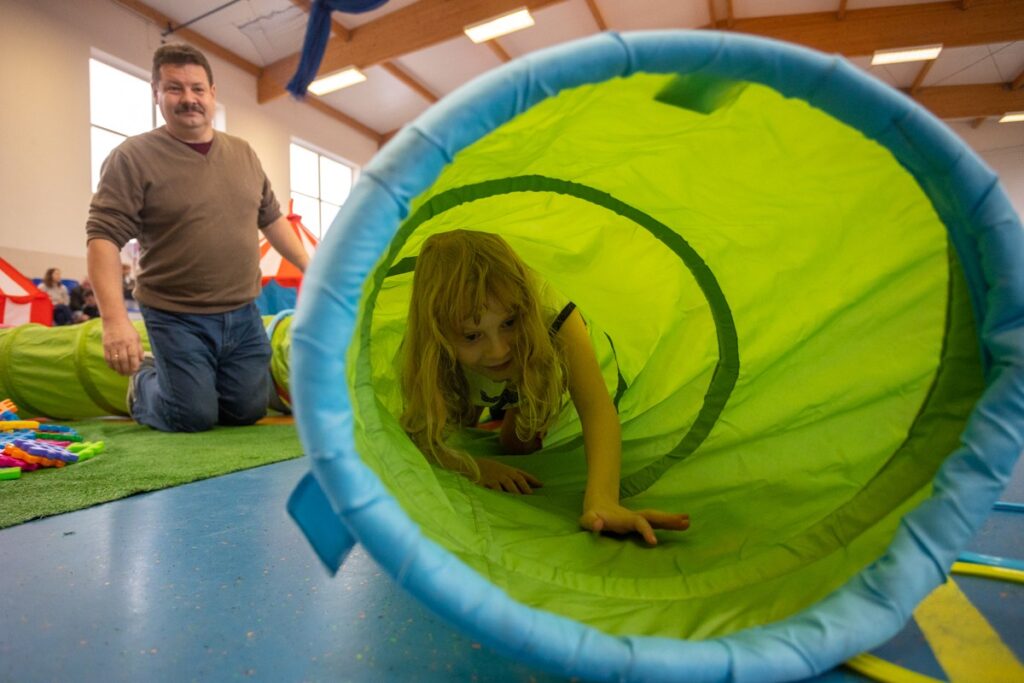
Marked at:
<point>874,604</point>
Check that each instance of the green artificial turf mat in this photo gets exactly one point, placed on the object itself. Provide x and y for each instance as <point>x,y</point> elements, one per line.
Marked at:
<point>138,459</point>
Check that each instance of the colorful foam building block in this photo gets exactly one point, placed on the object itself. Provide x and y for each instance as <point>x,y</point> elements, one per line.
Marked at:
<point>9,473</point>
<point>87,449</point>
<point>8,411</point>
<point>61,429</point>
<point>12,425</point>
<point>57,437</point>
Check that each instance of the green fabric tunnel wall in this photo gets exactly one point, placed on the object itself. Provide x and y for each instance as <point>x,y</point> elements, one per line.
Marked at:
<point>805,295</point>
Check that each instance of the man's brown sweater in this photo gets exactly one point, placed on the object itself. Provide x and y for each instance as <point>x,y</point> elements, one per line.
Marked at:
<point>195,217</point>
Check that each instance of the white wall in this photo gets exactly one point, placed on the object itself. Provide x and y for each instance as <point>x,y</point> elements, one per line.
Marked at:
<point>45,183</point>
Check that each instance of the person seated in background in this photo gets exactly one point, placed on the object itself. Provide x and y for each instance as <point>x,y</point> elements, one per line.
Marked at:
<point>127,281</point>
<point>83,302</point>
<point>58,293</point>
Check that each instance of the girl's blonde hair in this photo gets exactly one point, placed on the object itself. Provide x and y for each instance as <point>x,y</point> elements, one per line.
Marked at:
<point>456,273</point>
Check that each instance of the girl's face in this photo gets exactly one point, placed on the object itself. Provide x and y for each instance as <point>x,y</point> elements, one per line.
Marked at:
<point>485,346</point>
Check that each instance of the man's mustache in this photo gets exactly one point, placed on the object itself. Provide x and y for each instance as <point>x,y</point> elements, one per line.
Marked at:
<point>184,108</point>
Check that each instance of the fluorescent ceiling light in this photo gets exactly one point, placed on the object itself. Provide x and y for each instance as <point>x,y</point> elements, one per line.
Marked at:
<point>906,54</point>
<point>1012,117</point>
<point>499,26</point>
<point>337,81</point>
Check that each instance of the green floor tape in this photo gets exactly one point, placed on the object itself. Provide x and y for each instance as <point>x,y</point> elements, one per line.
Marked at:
<point>139,459</point>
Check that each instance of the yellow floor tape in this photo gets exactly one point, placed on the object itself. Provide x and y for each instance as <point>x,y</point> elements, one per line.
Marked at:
<point>965,644</point>
<point>879,669</point>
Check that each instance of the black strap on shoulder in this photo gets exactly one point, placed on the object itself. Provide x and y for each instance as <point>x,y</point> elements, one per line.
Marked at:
<point>560,319</point>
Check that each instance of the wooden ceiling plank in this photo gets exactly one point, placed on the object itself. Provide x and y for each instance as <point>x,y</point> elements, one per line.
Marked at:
<point>919,81</point>
<point>405,30</point>
<point>164,21</point>
<point>499,51</point>
<point>865,30</point>
<point>408,79</point>
<point>595,12</point>
<point>337,28</point>
<point>971,101</point>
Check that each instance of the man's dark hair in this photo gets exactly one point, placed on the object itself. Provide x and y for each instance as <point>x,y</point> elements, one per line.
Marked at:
<point>178,54</point>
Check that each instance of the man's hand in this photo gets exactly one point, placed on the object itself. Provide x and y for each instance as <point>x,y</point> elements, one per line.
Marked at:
<point>616,519</point>
<point>122,346</point>
<point>495,475</point>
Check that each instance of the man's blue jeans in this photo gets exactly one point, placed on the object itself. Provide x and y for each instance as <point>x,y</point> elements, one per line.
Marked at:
<point>210,369</point>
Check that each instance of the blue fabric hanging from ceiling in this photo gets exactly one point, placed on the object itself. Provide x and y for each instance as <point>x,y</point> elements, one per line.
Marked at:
<point>318,32</point>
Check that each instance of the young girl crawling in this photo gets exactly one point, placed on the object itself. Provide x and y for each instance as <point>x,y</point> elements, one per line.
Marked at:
<point>479,336</point>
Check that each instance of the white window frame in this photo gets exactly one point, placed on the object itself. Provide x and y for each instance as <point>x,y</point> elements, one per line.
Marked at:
<point>318,229</point>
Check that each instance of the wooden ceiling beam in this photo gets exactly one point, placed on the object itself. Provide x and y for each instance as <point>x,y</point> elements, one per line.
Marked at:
<point>165,22</point>
<point>713,13</point>
<point>405,30</point>
<point>971,101</point>
<point>410,81</point>
<point>919,81</point>
<point>1018,81</point>
<point>730,19</point>
<point>595,12</point>
<point>863,31</point>
<point>327,109</point>
<point>499,51</point>
<point>841,12</point>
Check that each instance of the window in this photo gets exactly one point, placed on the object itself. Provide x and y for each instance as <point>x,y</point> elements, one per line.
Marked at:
<point>121,104</point>
<point>320,185</point>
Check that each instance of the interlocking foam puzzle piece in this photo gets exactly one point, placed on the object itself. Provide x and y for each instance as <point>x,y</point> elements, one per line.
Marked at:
<point>15,452</point>
<point>8,437</point>
<point>10,473</point>
<point>8,461</point>
<point>44,449</point>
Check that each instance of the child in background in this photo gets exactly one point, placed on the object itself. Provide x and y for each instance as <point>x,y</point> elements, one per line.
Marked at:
<point>479,335</point>
<point>58,294</point>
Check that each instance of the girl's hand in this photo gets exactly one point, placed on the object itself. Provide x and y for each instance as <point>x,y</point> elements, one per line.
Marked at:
<point>616,519</point>
<point>500,477</point>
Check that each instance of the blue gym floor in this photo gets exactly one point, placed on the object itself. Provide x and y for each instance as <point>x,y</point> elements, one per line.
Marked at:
<point>213,582</point>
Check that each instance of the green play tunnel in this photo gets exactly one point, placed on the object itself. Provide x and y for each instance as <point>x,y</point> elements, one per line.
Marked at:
<point>59,372</point>
<point>786,334</point>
